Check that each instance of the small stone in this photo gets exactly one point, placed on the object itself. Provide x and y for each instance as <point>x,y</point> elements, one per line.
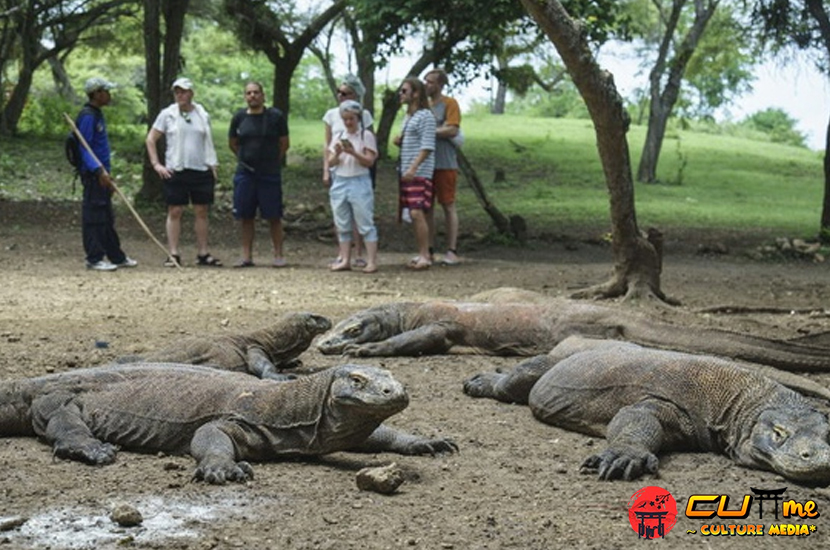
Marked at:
<point>383,479</point>
<point>126,515</point>
<point>7,524</point>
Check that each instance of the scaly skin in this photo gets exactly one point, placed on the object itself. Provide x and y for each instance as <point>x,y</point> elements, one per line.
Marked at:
<point>223,419</point>
<point>412,329</point>
<point>647,401</point>
<point>262,353</point>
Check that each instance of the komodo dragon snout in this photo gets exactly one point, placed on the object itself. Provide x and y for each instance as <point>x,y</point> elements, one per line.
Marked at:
<point>372,390</point>
<point>791,442</point>
<point>369,326</point>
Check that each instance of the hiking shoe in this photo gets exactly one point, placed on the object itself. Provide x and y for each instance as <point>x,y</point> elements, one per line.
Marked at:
<point>101,265</point>
<point>128,262</point>
<point>450,258</point>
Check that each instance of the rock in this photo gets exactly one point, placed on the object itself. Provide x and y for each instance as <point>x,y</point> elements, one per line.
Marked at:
<point>126,515</point>
<point>382,479</point>
<point>9,523</point>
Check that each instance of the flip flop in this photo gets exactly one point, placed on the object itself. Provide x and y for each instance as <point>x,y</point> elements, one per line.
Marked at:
<point>420,264</point>
<point>279,262</point>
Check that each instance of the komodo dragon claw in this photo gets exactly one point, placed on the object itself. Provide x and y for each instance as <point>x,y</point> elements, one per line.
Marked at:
<point>624,463</point>
<point>432,447</point>
<point>220,474</point>
<point>95,453</point>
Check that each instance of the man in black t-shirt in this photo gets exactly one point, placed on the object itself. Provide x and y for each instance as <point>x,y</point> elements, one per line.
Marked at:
<point>258,136</point>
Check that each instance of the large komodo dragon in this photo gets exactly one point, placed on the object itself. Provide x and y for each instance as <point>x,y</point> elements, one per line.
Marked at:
<point>222,419</point>
<point>262,352</point>
<point>646,401</point>
<point>421,328</point>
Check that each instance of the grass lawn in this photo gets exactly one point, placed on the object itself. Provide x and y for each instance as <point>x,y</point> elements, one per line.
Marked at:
<point>552,175</point>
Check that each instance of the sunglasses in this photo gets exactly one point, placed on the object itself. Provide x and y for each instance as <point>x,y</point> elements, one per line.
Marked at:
<point>343,92</point>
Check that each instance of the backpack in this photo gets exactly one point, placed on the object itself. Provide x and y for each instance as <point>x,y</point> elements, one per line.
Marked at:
<point>72,147</point>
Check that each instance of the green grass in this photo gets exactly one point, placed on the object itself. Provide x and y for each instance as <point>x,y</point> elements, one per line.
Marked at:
<point>553,175</point>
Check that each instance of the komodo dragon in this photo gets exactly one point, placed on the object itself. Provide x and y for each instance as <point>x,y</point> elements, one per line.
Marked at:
<point>646,401</point>
<point>262,352</point>
<point>421,328</point>
<point>222,419</point>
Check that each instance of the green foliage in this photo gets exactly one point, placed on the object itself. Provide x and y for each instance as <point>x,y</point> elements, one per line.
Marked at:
<point>563,102</point>
<point>554,178</point>
<point>776,124</point>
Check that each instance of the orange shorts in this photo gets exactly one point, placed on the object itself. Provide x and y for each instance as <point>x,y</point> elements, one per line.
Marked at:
<point>444,182</point>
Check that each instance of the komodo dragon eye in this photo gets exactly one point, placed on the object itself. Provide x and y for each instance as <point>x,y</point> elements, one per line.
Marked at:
<point>357,380</point>
<point>353,330</point>
<point>779,434</point>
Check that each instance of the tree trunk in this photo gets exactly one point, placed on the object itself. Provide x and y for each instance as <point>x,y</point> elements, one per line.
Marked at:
<point>151,188</point>
<point>637,259</point>
<point>658,119</point>
<point>501,91</point>
<point>824,233</point>
<point>62,83</point>
<point>671,72</point>
<point>160,76</point>
<point>818,9</point>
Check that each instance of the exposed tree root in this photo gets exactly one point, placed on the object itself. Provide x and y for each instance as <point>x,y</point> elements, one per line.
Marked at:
<point>732,310</point>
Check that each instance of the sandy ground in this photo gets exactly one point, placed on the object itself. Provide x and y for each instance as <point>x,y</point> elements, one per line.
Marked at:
<point>515,482</point>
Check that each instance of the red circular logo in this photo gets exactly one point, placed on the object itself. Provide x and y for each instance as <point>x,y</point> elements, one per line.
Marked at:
<point>652,512</point>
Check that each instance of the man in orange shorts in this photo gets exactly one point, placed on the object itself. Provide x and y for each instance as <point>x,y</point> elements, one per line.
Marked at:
<point>447,127</point>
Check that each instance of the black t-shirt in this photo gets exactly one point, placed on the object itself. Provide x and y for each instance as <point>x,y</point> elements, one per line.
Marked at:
<point>259,140</point>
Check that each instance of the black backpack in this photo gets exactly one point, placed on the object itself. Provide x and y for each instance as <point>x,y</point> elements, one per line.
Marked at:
<point>72,146</point>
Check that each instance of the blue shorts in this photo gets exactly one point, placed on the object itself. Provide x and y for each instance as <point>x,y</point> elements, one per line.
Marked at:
<point>252,191</point>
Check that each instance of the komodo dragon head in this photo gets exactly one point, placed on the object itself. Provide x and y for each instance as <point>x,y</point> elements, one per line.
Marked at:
<point>792,441</point>
<point>370,325</point>
<point>366,390</point>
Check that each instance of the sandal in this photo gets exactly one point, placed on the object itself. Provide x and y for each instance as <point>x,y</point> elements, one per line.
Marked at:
<point>359,262</point>
<point>244,263</point>
<point>173,260</point>
<point>208,260</point>
<point>279,262</point>
<point>340,266</point>
<point>419,264</point>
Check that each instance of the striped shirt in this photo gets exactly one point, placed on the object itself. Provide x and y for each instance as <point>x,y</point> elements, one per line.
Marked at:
<point>418,133</point>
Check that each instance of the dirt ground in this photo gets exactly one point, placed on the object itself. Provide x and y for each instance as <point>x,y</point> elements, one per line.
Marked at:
<point>515,482</point>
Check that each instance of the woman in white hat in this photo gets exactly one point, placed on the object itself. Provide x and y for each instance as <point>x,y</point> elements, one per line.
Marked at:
<point>188,170</point>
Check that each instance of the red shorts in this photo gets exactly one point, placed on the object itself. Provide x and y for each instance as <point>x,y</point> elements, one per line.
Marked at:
<point>415,195</point>
<point>445,183</point>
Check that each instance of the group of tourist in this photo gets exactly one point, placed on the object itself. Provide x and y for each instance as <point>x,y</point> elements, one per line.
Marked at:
<point>258,136</point>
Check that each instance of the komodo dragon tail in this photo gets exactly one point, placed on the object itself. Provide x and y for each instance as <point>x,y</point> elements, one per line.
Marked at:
<point>790,356</point>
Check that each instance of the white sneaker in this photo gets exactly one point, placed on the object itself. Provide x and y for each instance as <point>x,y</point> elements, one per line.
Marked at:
<point>128,262</point>
<point>450,258</point>
<point>101,265</point>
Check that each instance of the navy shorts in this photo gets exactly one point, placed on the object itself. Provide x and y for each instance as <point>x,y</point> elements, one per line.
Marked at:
<point>189,186</point>
<point>252,191</point>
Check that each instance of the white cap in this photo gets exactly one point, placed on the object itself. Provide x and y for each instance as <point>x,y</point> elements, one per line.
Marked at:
<point>98,83</point>
<point>183,83</point>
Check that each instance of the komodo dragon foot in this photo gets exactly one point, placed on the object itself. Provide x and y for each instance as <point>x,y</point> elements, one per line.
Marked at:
<point>432,447</point>
<point>483,384</point>
<point>219,473</point>
<point>91,452</point>
<point>627,463</point>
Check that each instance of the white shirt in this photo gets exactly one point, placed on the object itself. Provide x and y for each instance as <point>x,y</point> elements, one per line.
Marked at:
<point>188,137</point>
<point>349,166</point>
